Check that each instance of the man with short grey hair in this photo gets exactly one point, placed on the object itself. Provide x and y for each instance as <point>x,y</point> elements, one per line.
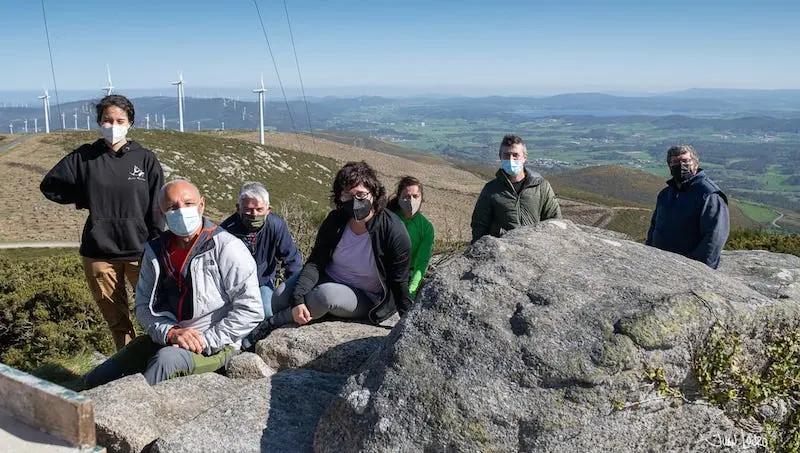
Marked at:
<point>197,297</point>
<point>266,236</point>
<point>691,217</point>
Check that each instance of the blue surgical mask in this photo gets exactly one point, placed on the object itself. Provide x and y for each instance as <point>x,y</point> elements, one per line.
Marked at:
<point>512,167</point>
<point>183,221</point>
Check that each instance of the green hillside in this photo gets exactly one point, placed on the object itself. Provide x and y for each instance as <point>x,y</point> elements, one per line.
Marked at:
<point>627,187</point>
<point>219,167</point>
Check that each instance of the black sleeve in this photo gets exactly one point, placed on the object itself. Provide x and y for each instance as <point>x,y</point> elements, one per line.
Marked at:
<point>317,260</point>
<point>153,219</point>
<point>397,265</point>
<point>63,183</point>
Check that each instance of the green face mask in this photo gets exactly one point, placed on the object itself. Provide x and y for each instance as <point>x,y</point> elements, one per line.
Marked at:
<point>253,222</point>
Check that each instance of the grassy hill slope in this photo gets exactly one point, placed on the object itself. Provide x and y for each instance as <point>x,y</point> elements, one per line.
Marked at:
<point>618,187</point>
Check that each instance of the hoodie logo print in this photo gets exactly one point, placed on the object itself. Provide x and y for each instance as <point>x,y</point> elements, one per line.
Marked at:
<point>136,174</point>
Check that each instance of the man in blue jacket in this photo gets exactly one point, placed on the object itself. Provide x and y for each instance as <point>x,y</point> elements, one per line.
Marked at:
<point>691,216</point>
<point>266,236</point>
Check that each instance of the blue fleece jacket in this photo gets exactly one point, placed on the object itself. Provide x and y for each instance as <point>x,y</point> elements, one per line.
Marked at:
<point>691,220</point>
<point>273,243</point>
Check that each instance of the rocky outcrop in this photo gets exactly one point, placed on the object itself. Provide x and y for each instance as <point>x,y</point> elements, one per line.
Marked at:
<point>248,366</point>
<point>534,341</point>
<point>268,415</point>
<point>211,413</point>
<point>331,346</point>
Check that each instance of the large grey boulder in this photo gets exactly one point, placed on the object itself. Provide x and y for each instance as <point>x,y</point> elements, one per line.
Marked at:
<point>775,275</point>
<point>278,414</point>
<point>248,366</point>
<point>328,346</point>
<point>530,342</point>
<point>130,414</point>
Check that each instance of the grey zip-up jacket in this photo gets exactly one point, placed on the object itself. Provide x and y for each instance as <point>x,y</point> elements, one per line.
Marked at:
<point>499,208</point>
<point>215,293</point>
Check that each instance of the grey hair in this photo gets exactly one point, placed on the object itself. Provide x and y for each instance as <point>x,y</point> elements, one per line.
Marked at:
<point>162,194</point>
<point>677,150</point>
<point>254,191</point>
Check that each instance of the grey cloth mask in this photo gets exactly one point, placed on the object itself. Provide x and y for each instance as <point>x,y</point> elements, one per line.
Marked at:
<point>409,206</point>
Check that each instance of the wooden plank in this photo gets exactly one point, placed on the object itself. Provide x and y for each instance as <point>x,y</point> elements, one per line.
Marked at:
<point>47,406</point>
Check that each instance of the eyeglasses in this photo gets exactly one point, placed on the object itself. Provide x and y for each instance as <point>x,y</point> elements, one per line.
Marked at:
<point>345,197</point>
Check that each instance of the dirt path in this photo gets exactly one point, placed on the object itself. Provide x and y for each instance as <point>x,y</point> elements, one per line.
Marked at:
<point>774,221</point>
<point>21,245</point>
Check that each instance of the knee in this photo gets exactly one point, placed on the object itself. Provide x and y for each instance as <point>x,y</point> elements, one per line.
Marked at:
<point>167,363</point>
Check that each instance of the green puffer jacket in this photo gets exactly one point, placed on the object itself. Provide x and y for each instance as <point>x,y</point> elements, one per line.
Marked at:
<point>500,209</point>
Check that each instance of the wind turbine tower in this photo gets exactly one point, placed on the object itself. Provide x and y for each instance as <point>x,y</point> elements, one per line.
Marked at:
<point>110,86</point>
<point>36,125</point>
<point>26,125</point>
<point>147,121</point>
<point>11,128</point>
<point>261,91</point>
<point>46,101</point>
<point>163,122</point>
<point>179,84</point>
<point>87,123</point>
<point>75,115</point>
<point>63,122</point>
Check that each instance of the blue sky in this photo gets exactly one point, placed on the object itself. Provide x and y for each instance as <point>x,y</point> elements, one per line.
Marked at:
<point>483,47</point>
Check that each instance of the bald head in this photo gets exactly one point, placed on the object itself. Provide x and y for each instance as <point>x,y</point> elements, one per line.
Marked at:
<point>180,193</point>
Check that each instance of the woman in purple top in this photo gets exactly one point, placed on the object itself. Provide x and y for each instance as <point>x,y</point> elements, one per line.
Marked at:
<point>359,265</point>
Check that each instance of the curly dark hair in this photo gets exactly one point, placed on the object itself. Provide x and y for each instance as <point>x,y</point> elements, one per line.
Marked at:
<point>353,174</point>
<point>115,100</point>
<point>509,141</point>
<point>405,181</point>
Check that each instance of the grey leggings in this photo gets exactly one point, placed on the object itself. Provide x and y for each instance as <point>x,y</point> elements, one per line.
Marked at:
<point>327,298</point>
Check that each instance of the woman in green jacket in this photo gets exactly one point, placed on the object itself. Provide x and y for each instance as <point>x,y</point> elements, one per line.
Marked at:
<point>406,203</point>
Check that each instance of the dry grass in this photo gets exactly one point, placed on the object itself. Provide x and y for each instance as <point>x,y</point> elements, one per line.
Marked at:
<point>26,214</point>
<point>450,192</point>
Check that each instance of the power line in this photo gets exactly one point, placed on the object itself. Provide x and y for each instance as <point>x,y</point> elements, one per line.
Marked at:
<point>299,74</point>
<point>52,66</point>
<point>275,64</point>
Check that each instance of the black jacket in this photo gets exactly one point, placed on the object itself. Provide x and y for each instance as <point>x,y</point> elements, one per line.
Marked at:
<point>120,190</point>
<point>391,247</point>
<point>274,243</point>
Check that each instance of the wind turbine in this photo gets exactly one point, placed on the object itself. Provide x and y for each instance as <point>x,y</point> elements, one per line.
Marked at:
<point>63,122</point>
<point>11,128</point>
<point>46,101</point>
<point>163,122</point>
<point>75,115</point>
<point>179,83</point>
<point>147,121</point>
<point>36,125</point>
<point>261,91</point>
<point>198,125</point>
<point>87,123</point>
<point>110,87</point>
<point>26,125</point>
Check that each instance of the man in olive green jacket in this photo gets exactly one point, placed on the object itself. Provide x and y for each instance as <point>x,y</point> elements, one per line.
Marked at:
<point>515,198</point>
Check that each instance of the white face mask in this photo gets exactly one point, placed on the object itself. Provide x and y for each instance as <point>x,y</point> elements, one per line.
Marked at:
<point>184,221</point>
<point>114,134</point>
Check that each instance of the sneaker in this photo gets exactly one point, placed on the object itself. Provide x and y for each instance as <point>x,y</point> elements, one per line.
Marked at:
<point>261,331</point>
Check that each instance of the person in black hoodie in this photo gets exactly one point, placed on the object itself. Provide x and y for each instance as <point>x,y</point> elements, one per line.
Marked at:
<point>359,265</point>
<point>118,181</point>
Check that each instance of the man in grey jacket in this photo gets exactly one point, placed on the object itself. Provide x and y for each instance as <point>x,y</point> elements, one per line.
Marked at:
<point>197,297</point>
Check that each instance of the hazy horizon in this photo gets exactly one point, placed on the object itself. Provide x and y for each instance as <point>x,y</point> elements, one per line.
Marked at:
<point>351,47</point>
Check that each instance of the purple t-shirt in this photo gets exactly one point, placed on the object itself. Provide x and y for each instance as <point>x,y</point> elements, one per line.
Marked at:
<point>354,265</point>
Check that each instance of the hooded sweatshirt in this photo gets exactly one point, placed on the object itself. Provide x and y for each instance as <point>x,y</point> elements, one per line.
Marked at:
<point>120,190</point>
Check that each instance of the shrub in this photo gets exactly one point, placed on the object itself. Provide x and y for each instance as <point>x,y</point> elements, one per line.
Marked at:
<point>46,311</point>
<point>764,240</point>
